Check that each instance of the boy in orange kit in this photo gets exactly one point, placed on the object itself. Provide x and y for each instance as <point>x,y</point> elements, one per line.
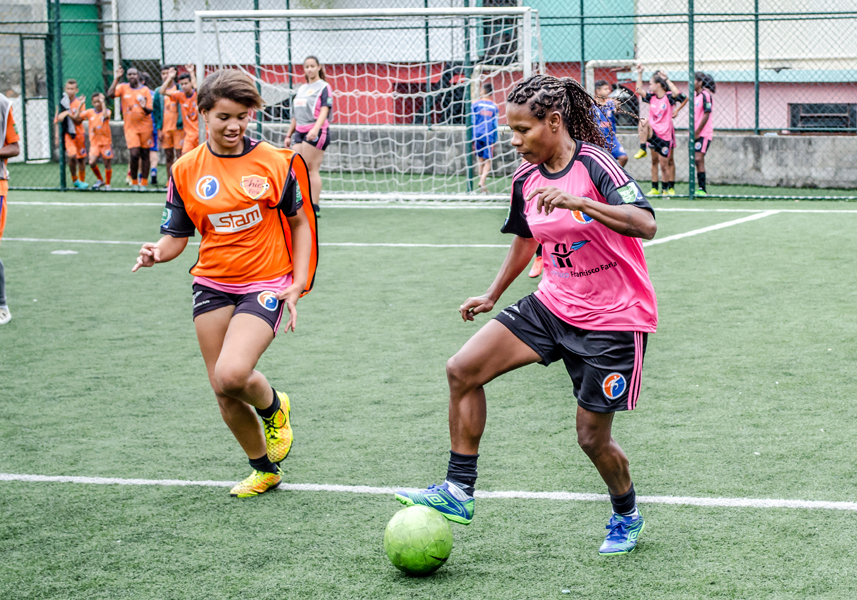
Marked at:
<point>186,99</point>
<point>71,125</point>
<point>139,129</point>
<point>100,140</point>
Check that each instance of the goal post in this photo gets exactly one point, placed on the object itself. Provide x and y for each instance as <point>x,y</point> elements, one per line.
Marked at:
<point>403,83</point>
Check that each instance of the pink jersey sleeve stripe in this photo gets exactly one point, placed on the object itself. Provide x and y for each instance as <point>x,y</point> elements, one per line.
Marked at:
<point>616,174</point>
<point>521,169</point>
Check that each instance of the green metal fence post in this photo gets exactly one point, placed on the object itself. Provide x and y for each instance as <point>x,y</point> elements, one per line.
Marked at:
<point>289,50</point>
<point>428,97</point>
<point>582,47</point>
<point>691,125</point>
<point>161,22</point>
<point>50,83</point>
<point>258,66</point>
<point>756,52</point>
<point>58,47</point>
<point>24,99</point>
<point>468,103</point>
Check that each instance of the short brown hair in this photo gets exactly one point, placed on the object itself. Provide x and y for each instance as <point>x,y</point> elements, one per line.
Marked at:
<point>230,84</point>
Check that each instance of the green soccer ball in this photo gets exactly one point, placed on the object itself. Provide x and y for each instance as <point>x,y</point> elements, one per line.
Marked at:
<point>418,540</point>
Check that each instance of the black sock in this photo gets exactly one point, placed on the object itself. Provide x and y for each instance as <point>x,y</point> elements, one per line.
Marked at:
<point>263,464</point>
<point>670,185</point>
<point>267,413</point>
<point>700,177</point>
<point>655,184</point>
<point>539,250</point>
<point>316,208</point>
<point>462,471</point>
<point>643,146</point>
<point>626,503</point>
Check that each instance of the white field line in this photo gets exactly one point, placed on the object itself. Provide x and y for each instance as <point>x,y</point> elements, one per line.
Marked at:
<point>365,489</point>
<point>435,206</point>
<point>679,236</point>
<point>670,238</point>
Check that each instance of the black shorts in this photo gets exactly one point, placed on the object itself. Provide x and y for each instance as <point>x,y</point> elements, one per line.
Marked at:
<point>605,366</point>
<point>321,142</point>
<point>659,145</point>
<point>701,145</point>
<point>262,304</point>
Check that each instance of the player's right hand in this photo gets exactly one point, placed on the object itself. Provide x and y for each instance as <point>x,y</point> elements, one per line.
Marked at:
<point>287,142</point>
<point>474,306</point>
<point>149,255</point>
<point>119,72</point>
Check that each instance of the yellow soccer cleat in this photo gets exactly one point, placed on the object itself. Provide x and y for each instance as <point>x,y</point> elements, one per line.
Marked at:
<point>259,482</point>
<point>653,192</point>
<point>278,431</point>
<point>641,153</point>
<point>671,191</point>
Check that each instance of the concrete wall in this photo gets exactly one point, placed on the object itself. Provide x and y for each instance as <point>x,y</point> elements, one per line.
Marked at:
<point>776,161</point>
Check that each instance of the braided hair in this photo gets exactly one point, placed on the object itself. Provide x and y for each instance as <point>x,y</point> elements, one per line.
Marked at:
<point>706,81</point>
<point>543,93</point>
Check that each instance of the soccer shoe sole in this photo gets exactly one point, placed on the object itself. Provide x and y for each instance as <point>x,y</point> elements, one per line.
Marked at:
<point>408,502</point>
<point>625,551</point>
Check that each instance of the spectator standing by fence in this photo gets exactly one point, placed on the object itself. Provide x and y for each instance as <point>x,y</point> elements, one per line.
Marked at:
<point>9,149</point>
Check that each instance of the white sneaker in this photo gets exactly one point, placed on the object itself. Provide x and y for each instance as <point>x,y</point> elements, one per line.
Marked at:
<point>106,187</point>
<point>5,315</point>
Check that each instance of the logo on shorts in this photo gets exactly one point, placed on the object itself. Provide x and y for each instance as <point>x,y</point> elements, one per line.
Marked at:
<point>561,255</point>
<point>581,217</point>
<point>254,185</point>
<point>698,146</point>
<point>207,187</point>
<point>268,300</point>
<point>614,385</point>
<point>665,150</point>
<point>107,153</point>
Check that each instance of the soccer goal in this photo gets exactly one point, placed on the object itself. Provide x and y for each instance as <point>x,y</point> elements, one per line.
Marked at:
<point>403,84</point>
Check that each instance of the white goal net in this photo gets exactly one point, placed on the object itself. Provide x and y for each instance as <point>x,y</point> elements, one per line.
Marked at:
<point>403,84</point>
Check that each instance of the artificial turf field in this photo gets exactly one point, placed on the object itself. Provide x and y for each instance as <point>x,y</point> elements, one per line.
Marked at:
<point>748,393</point>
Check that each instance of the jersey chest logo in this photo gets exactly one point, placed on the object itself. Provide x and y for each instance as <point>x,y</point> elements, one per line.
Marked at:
<point>561,255</point>
<point>207,187</point>
<point>254,186</point>
<point>236,220</point>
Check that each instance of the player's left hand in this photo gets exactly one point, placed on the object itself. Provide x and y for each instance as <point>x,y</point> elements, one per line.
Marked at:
<point>312,135</point>
<point>551,198</point>
<point>290,296</point>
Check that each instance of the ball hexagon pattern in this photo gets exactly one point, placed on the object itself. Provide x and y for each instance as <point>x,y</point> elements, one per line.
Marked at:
<point>418,540</point>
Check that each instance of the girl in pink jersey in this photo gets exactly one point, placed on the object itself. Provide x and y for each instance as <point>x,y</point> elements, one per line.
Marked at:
<point>657,129</point>
<point>704,87</point>
<point>593,309</point>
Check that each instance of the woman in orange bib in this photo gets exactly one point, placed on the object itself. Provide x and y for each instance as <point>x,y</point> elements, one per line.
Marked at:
<point>250,203</point>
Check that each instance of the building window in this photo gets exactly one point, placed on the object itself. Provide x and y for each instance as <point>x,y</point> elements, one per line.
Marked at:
<point>823,117</point>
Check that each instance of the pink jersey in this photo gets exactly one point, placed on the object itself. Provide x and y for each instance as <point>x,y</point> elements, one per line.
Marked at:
<point>661,114</point>
<point>594,278</point>
<point>701,107</point>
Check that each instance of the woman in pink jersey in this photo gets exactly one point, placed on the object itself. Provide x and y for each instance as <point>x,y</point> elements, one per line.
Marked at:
<point>704,87</point>
<point>657,129</point>
<point>594,307</point>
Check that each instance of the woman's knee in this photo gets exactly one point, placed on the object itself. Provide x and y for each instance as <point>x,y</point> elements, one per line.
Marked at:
<point>230,380</point>
<point>460,373</point>
<point>592,440</point>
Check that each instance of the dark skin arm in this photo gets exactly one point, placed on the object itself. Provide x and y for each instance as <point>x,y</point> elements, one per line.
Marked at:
<point>517,259</point>
<point>625,219</point>
<point>10,150</point>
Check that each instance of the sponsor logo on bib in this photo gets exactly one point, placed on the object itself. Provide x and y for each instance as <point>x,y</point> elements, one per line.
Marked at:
<point>207,187</point>
<point>254,186</point>
<point>236,220</point>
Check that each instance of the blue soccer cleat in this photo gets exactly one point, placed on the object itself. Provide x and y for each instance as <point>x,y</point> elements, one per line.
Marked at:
<point>446,498</point>
<point>623,534</point>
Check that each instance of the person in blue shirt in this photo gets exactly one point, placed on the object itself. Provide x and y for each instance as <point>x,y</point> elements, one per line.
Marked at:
<point>607,119</point>
<point>485,124</point>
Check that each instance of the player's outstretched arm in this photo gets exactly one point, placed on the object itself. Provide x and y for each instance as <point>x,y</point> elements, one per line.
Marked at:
<point>301,251</point>
<point>111,91</point>
<point>517,259</point>
<point>171,76</point>
<point>165,250</point>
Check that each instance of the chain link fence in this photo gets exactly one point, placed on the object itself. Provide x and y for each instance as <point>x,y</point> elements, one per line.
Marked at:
<point>784,73</point>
